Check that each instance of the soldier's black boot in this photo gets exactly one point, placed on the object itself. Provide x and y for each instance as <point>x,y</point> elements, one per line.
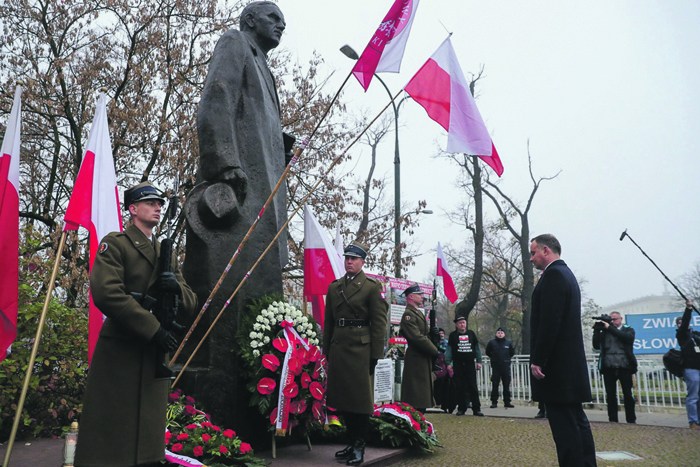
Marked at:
<point>357,455</point>
<point>345,453</point>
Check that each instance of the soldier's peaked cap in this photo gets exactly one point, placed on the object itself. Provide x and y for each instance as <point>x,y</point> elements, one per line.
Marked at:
<point>415,288</point>
<point>141,192</point>
<point>356,250</point>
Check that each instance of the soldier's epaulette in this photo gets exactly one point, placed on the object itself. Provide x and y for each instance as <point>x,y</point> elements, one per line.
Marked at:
<point>336,280</point>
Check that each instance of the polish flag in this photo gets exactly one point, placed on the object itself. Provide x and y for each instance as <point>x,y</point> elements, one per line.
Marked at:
<point>440,87</point>
<point>94,203</point>
<point>385,50</point>
<point>444,272</point>
<point>9,227</point>
<point>322,264</point>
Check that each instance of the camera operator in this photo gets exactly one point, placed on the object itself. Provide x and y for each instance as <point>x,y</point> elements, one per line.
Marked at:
<point>617,362</point>
<point>689,341</point>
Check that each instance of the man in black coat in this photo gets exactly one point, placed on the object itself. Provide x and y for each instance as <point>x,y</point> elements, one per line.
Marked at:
<point>500,350</point>
<point>557,358</point>
<point>689,342</point>
<point>617,362</point>
<point>464,357</point>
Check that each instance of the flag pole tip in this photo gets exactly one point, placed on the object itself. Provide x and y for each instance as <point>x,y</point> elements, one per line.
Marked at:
<point>103,89</point>
<point>20,82</point>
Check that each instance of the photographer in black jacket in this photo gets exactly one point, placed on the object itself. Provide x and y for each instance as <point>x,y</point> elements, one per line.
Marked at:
<point>689,341</point>
<point>617,362</point>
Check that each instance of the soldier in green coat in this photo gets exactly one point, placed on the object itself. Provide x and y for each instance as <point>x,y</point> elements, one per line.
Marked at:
<point>354,329</point>
<point>123,418</point>
<point>417,382</point>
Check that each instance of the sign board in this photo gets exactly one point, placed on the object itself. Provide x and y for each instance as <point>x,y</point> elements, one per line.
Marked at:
<point>655,333</point>
<point>398,302</point>
<point>384,381</point>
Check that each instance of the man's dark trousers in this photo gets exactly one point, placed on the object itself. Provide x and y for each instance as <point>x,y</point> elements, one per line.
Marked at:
<point>467,391</point>
<point>610,377</point>
<point>499,374</point>
<point>572,434</point>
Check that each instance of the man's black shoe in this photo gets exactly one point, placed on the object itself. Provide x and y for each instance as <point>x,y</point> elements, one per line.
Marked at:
<point>494,405</point>
<point>460,413</point>
<point>357,453</point>
<point>344,453</point>
<point>479,413</point>
<point>508,405</point>
<point>541,415</point>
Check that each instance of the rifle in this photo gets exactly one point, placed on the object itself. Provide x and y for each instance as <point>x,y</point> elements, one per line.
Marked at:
<point>167,303</point>
<point>434,333</point>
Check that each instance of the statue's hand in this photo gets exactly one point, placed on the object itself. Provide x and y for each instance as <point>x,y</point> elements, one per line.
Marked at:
<point>238,180</point>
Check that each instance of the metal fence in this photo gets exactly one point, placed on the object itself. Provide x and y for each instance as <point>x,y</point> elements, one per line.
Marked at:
<point>654,386</point>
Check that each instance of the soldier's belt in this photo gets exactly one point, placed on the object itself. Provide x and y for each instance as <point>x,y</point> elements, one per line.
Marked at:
<point>342,322</point>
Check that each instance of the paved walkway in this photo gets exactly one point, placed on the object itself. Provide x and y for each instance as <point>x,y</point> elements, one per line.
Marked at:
<point>48,452</point>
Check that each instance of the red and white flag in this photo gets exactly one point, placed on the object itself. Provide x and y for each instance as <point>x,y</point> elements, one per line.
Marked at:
<point>9,227</point>
<point>443,271</point>
<point>94,203</point>
<point>440,87</point>
<point>385,50</point>
<point>322,264</point>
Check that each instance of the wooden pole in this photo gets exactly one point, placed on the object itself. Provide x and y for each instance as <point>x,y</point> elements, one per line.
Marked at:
<point>291,216</point>
<point>292,163</point>
<point>30,364</point>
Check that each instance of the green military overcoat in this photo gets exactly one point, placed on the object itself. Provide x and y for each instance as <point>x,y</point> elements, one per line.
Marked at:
<point>417,382</point>
<point>123,418</point>
<point>349,349</point>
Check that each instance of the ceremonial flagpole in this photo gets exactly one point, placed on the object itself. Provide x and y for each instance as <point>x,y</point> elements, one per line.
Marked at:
<point>35,348</point>
<point>291,216</point>
<point>283,177</point>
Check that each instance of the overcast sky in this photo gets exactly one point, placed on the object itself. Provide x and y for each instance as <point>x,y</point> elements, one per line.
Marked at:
<point>605,91</point>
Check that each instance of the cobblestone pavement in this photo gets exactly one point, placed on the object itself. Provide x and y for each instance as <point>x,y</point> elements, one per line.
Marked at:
<point>501,439</point>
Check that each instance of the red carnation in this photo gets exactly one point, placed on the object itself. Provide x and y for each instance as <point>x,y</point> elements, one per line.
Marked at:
<point>222,449</point>
<point>316,390</point>
<point>198,451</point>
<point>291,390</point>
<point>190,410</point>
<point>229,433</point>
<point>191,427</point>
<point>245,447</point>
<point>189,400</point>
<point>206,438</point>
<point>270,362</point>
<point>280,344</point>
<point>173,397</point>
<point>305,380</point>
<point>215,428</point>
<point>266,386</point>
<point>176,447</point>
<point>182,436</point>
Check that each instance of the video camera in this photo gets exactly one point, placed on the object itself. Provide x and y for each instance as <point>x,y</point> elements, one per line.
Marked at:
<point>600,326</point>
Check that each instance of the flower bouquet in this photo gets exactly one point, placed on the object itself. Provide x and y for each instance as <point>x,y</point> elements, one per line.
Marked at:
<point>287,373</point>
<point>400,424</point>
<point>192,440</point>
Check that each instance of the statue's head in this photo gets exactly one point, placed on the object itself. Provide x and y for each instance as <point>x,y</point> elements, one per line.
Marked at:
<point>264,21</point>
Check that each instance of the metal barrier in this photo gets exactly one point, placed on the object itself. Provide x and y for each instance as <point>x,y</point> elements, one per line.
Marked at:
<point>654,386</point>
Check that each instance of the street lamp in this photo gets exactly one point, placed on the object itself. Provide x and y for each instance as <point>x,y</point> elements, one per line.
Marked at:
<point>350,53</point>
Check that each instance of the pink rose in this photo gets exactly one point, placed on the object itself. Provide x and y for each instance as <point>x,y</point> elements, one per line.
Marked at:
<point>198,451</point>
<point>245,447</point>
<point>222,449</point>
<point>176,447</point>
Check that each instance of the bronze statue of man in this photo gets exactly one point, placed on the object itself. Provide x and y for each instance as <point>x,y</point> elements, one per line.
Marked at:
<point>242,156</point>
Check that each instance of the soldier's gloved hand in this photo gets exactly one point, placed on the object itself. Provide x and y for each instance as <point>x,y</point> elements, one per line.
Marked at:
<point>167,283</point>
<point>434,333</point>
<point>372,364</point>
<point>165,340</point>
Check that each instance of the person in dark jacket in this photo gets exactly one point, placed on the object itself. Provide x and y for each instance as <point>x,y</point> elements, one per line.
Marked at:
<point>689,341</point>
<point>417,386</point>
<point>464,357</point>
<point>617,362</point>
<point>557,357</point>
<point>500,350</point>
<point>124,408</point>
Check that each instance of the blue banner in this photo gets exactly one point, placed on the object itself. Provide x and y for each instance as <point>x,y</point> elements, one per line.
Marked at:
<point>655,333</point>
